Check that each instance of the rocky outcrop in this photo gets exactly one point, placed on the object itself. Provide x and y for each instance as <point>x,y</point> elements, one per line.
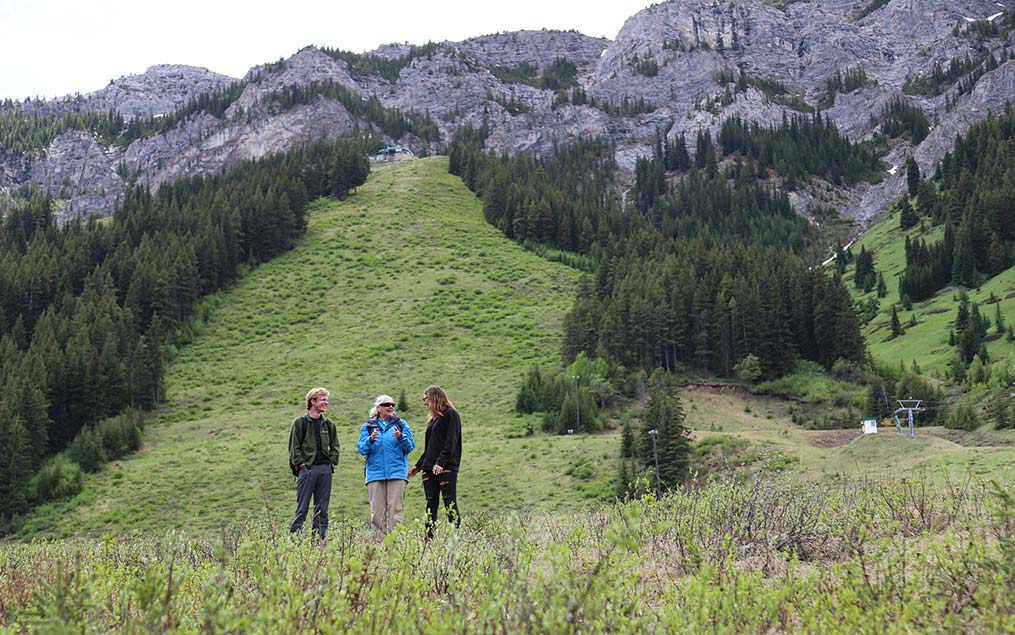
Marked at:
<point>538,48</point>
<point>161,89</point>
<point>15,169</point>
<point>677,56</point>
<point>305,67</point>
<point>224,146</point>
<point>81,173</point>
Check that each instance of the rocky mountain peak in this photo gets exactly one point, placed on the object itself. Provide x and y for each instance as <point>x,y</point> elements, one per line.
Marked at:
<point>680,65</point>
<point>161,89</point>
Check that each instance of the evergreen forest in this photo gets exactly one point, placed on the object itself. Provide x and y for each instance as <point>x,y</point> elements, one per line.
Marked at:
<point>972,195</point>
<point>89,311</point>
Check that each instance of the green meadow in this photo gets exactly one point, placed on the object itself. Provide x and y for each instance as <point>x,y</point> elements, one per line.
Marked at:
<point>402,285</point>
<point>781,529</point>
<point>399,286</point>
<point>756,433</point>
<point>926,341</point>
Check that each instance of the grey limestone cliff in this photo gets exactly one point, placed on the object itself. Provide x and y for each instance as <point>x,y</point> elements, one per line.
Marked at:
<point>678,58</point>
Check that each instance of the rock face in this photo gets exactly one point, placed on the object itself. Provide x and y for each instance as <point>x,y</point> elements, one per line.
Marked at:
<point>539,48</point>
<point>678,57</point>
<point>162,89</point>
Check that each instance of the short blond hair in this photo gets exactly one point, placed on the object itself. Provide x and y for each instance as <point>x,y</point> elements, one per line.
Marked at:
<point>314,394</point>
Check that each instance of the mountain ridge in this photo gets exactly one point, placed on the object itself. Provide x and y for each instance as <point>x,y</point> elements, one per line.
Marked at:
<point>672,55</point>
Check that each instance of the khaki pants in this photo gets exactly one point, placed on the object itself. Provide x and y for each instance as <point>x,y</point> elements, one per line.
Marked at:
<point>386,505</point>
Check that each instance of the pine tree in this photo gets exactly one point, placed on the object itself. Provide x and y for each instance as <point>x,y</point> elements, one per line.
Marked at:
<point>909,218</point>
<point>623,489</point>
<point>15,463</point>
<point>627,449</point>
<point>912,176</point>
<point>665,415</point>
<point>896,325</point>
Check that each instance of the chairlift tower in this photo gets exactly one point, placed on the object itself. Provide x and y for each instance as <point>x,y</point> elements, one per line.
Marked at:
<point>909,406</point>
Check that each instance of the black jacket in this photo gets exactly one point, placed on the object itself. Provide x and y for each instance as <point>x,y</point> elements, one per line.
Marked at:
<point>443,445</point>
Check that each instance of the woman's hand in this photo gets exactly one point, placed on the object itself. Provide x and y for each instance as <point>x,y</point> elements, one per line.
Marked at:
<point>437,469</point>
<point>413,471</point>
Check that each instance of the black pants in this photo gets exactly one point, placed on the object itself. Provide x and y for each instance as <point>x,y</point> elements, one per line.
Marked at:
<point>445,485</point>
<point>313,481</point>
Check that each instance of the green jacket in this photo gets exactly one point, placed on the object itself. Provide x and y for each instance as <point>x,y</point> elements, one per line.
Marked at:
<point>303,441</point>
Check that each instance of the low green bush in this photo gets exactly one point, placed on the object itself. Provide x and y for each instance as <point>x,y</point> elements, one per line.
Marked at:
<point>763,555</point>
<point>86,449</point>
<point>120,435</point>
<point>59,477</point>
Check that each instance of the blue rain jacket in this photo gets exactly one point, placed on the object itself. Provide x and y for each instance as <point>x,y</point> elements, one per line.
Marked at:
<point>387,457</point>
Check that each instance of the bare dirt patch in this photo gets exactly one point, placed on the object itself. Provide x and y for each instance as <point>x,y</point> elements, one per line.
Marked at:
<point>833,438</point>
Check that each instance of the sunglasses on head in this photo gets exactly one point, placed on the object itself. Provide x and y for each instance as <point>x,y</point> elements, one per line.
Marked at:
<point>386,405</point>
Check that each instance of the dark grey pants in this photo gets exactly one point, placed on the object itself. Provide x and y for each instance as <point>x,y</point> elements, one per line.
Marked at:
<point>315,481</point>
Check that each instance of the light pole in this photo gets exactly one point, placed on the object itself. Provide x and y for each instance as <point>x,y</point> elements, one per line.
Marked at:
<point>653,433</point>
<point>577,405</point>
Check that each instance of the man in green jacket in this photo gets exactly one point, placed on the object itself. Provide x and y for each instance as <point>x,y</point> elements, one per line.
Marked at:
<point>313,455</point>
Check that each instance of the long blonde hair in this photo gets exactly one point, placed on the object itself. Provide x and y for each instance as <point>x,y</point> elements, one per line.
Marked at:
<point>437,401</point>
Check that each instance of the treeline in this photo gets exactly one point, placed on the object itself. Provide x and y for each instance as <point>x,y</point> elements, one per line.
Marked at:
<point>560,74</point>
<point>899,118</point>
<point>391,121</point>
<point>800,147</point>
<point>659,298</point>
<point>30,133</point>
<point>376,65</point>
<point>846,82</point>
<point>695,303</point>
<point>774,90</point>
<point>565,200</point>
<point>941,78</point>
<point>86,310</point>
<point>973,195</point>
<point>627,107</point>
<point>214,102</point>
<point>732,206</point>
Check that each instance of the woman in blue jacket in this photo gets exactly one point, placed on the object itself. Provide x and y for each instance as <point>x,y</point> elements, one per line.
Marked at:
<point>386,440</point>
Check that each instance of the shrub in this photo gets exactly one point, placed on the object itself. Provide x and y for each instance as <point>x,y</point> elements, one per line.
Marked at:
<point>963,418</point>
<point>86,450</point>
<point>120,435</point>
<point>58,478</point>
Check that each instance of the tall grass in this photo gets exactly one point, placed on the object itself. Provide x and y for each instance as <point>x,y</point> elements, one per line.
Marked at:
<point>748,557</point>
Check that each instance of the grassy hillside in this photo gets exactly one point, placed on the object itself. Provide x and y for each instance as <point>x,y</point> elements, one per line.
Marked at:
<point>400,286</point>
<point>756,431</point>
<point>927,341</point>
<point>403,285</point>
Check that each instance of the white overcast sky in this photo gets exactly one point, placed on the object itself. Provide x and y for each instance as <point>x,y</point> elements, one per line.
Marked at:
<point>51,48</point>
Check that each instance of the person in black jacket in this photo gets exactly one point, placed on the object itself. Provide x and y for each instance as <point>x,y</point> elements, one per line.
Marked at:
<point>442,455</point>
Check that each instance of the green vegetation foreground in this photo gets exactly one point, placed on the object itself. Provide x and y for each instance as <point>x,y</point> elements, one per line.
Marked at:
<point>400,286</point>
<point>734,557</point>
